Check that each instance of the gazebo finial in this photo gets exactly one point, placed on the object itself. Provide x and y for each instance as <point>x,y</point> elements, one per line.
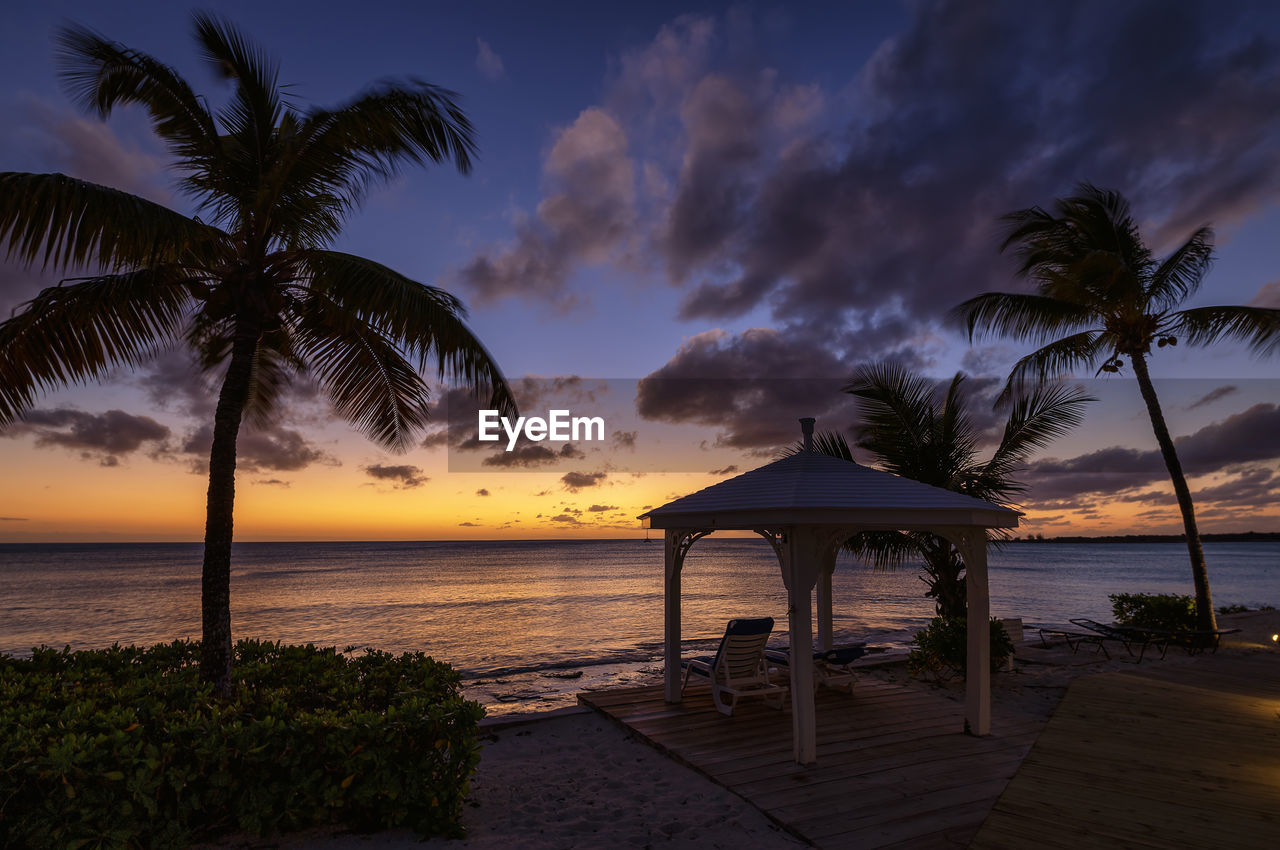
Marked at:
<point>806,428</point>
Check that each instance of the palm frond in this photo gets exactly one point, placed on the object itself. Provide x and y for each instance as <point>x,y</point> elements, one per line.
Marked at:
<point>830,443</point>
<point>896,408</point>
<point>1180,275</point>
<point>1036,318</point>
<point>1258,327</point>
<point>1058,357</point>
<point>101,74</point>
<point>368,381</point>
<point>1035,420</point>
<point>76,332</point>
<point>62,222</point>
<point>884,550</point>
<point>427,321</point>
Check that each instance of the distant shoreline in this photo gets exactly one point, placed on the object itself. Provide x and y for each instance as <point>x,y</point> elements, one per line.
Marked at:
<point>1245,537</point>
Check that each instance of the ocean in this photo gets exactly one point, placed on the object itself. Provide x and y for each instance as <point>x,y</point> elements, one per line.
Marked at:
<point>530,623</point>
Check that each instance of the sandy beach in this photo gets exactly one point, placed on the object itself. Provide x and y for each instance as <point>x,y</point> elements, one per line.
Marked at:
<point>574,779</point>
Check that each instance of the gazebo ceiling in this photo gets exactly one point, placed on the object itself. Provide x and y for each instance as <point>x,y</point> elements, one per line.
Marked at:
<point>812,488</point>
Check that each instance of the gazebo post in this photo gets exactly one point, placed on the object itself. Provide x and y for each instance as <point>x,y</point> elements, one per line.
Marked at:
<point>801,572</point>
<point>673,558</point>
<point>977,680</point>
<point>824,599</point>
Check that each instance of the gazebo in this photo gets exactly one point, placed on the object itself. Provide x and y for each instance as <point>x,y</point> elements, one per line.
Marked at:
<point>806,505</point>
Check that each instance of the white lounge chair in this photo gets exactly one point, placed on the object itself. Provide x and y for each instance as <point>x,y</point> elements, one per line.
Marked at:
<point>738,669</point>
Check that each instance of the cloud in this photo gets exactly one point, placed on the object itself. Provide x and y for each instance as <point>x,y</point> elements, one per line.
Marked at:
<point>595,509</point>
<point>274,449</point>
<point>105,437</point>
<point>402,476</point>
<point>1268,296</point>
<point>1213,395</point>
<point>272,482</point>
<point>488,62</point>
<point>566,519</point>
<point>575,481</point>
<point>482,492</point>
<point>469,524</point>
<point>89,149</point>
<point>1251,436</point>
<point>751,386</point>
<point>856,213</point>
<point>589,211</point>
<point>624,440</point>
<point>728,470</point>
<point>14,519</point>
<point>531,455</point>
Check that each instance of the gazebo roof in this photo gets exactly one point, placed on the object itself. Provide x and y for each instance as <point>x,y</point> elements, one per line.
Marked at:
<point>814,488</point>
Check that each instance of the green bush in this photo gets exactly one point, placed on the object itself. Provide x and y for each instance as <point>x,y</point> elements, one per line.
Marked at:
<point>125,747</point>
<point>941,649</point>
<point>1232,609</point>
<point>1154,610</point>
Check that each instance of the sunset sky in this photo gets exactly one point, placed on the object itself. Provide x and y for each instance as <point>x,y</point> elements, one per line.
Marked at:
<point>671,199</point>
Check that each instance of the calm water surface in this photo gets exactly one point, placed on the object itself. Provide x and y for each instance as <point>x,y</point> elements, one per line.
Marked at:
<point>498,608</point>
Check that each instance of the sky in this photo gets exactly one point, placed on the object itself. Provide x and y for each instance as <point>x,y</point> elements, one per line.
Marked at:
<point>693,221</point>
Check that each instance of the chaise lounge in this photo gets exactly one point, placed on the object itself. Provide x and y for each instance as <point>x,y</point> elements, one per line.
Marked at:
<point>831,667</point>
<point>738,669</point>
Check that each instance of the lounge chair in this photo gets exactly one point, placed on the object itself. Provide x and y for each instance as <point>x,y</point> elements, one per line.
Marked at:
<point>1075,640</point>
<point>831,667</point>
<point>738,669</point>
<point>1129,636</point>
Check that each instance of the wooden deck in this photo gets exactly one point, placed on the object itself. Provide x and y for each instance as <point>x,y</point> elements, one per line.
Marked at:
<point>894,767</point>
<point>1184,757</point>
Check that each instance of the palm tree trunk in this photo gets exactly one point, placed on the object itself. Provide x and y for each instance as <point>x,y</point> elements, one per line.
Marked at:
<point>1205,618</point>
<point>215,584</point>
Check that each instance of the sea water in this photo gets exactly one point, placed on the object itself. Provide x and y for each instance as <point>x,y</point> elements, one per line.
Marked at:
<point>526,622</point>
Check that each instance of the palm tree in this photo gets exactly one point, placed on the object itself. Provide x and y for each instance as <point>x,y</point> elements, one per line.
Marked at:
<point>915,431</point>
<point>250,286</point>
<point>1100,297</point>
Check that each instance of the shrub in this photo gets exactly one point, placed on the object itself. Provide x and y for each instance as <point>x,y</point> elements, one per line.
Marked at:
<point>941,648</point>
<point>126,747</point>
<point>1232,609</point>
<point>1154,610</point>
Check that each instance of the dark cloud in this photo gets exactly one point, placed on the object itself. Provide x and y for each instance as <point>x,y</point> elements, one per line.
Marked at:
<point>104,437</point>
<point>1213,395</point>
<point>588,213</point>
<point>469,524</point>
<point>856,217</point>
<point>403,475</point>
<point>752,387</point>
<point>625,440</point>
<point>595,509</point>
<point>272,482</point>
<point>1251,436</point>
<point>566,519</point>
<point>728,470</point>
<point>274,449</point>
<point>482,492</point>
<point>528,455</point>
<point>14,519</point>
<point>575,481</point>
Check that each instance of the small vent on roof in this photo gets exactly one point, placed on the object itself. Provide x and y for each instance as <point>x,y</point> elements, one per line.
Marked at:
<point>806,428</point>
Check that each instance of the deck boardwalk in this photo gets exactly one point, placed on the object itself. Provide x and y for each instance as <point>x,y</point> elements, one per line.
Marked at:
<point>893,765</point>
<point>1182,757</point>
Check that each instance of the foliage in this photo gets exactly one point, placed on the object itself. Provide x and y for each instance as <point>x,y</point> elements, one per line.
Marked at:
<point>1101,296</point>
<point>1232,609</point>
<point>250,285</point>
<point>941,648</point>
<point>1154,610</point>
<point>919,431</point>
<point>127,747</point>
